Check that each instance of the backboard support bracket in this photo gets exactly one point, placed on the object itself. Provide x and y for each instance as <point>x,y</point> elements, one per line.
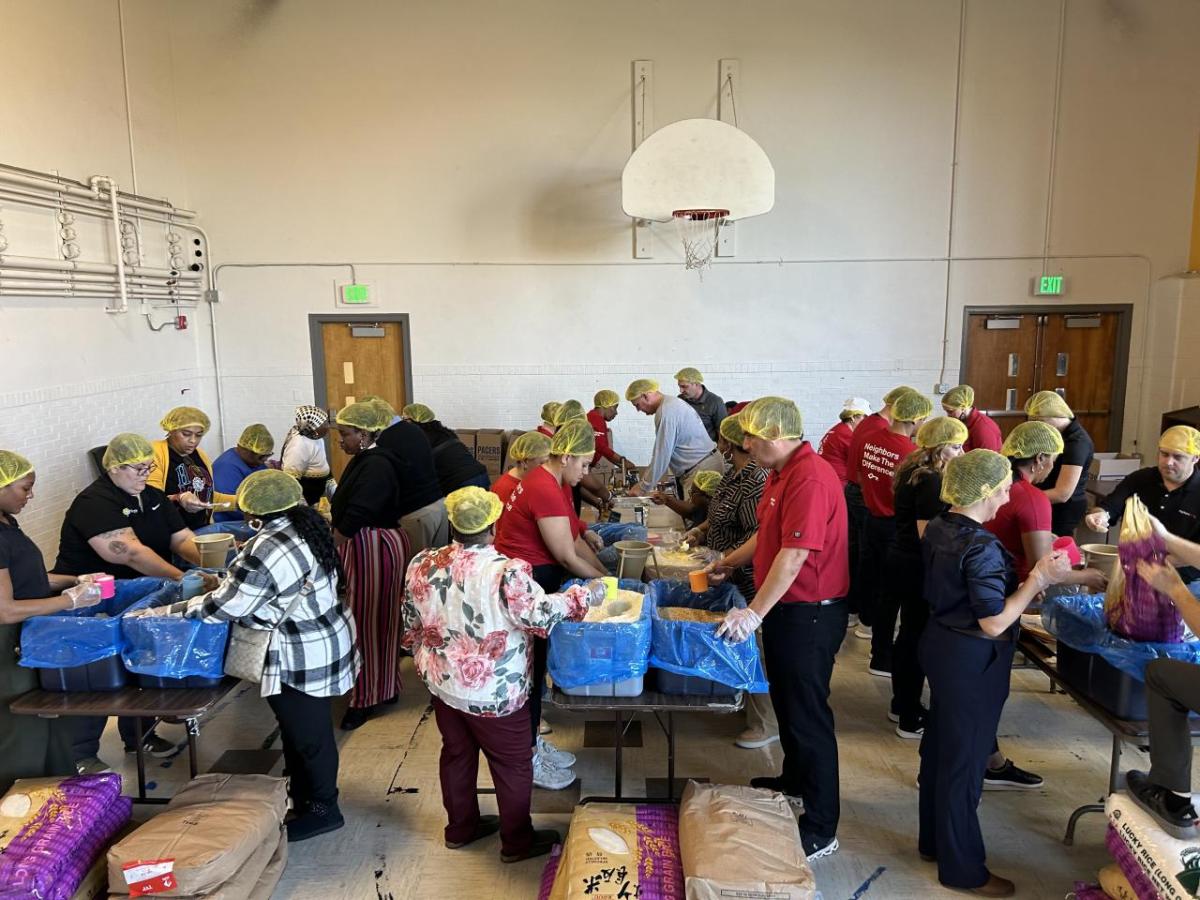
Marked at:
<point>642,92</point>
<point>728,81</point>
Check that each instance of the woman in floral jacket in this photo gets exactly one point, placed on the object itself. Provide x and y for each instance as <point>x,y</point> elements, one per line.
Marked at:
<point>470,614</point>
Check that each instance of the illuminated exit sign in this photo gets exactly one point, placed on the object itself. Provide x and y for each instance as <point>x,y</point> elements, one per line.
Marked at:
<point>1049,286</point>
<point>357,294</point>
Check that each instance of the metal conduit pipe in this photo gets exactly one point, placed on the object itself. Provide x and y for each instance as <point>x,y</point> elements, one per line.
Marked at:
<point>68,266</point>
<point>7,280</point>
<point>78,189</point>
<point>97,182</point>
<point>94,293</point>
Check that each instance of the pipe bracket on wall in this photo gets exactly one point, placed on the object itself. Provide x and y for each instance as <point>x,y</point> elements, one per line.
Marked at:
<point>642,91</point>
<point>728,75</point>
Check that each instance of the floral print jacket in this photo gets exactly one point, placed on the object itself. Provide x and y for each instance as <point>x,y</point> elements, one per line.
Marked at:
<point>470,614</point>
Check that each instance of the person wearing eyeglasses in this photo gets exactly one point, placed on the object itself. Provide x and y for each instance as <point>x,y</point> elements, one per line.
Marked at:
<point>183,471</point>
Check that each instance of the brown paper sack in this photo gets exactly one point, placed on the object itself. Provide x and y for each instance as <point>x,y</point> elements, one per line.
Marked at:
<point>214,787</point>
<point>245,881</point>
<point>741,842</point>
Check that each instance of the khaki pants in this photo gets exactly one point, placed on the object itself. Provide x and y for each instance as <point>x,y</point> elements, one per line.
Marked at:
<point>760,713</point>
<point>427,527</point>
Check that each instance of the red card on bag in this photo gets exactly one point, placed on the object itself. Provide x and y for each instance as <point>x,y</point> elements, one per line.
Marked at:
<point>149,876</point>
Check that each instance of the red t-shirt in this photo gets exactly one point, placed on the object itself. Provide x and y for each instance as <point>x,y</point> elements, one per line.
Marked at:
<point>881,456</point>
<point>537,496</point>
<point>546,430</point>
<point>603,438</point>
<point>867,427</point>
<point>504,486</point>
<point>802,507</point>
<point>983,433</point>
<point>834,447</point>
<point>1027,509</point>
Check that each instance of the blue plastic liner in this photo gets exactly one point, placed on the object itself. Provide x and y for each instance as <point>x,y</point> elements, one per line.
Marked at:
<point>693,648</point>
<point>1078,621</point>
<point>83,636</point>
<point>172,646</point>
<point>583,653</point>
<point>610,533</point>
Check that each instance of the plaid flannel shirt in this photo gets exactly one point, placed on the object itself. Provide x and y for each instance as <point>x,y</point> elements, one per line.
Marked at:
<point>315,650</point>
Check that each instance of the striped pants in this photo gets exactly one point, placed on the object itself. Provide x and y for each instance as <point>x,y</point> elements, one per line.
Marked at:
<point>375,561</point>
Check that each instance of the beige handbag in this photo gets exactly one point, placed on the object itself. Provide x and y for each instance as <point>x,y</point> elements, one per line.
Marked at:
<point>246,655</point>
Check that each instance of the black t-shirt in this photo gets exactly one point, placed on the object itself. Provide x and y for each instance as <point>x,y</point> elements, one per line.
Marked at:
<point>22,558</point>
<point>367,496</point>
<point>1178,510</point>
<point>1078,450</point>
<point>917,498</point>
<point>414,466</point>
<point>455,464</point>
<point>102,507</point>
<point>189,473</point>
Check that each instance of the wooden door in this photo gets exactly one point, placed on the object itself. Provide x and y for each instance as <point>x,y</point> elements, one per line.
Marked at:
<point>1010,356</point>
<point>361,358</point>
<point>1002,359</point>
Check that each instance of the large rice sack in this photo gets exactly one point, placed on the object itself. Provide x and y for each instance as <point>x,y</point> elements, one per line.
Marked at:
<point>621,850</point>
<point>1171,866</point>
<point>1132,607</point>
<point>1115,884</point>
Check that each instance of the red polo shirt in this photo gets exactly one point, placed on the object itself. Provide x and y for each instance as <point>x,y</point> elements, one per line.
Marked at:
<point>603,438</point>
<point>834,447</point>
<point>537,496</point>
<point>867,427</point>
<point>802,507</point>
<point>1027,510</point>
<point>983,433</point>
<point>504,486</point>
<point>882,454</point>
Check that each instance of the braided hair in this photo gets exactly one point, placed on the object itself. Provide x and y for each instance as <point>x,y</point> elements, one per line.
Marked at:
<point>315,532</point>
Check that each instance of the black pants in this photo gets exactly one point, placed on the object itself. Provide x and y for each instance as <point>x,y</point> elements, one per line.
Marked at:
<point>313,488</point>
<point>906,583</point>
<point>1065,517</point>
<point>1172,692</point>
<point>549,579</point>
<point>86,732</point>
<point>800,641</point>
<point>309,749</point>
<point>878,534</point>
<point>968,683</point>
<point>856,516</point>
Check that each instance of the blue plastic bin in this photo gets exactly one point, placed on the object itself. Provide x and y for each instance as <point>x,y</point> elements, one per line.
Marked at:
<point>171,651</point>
<point>598,659</point>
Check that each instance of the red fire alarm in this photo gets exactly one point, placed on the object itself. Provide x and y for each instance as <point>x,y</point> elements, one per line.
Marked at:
<point>181,323</point>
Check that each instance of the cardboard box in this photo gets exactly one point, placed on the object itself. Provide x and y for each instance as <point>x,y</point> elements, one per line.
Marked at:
<point>509,436</point>
<point>489,449</point>
<point>1114,466</point>
<point>467,436</point>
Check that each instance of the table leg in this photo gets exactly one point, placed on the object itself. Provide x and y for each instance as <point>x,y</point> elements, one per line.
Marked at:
<point>1114,767</point>
<point>619,736</point>
<point>1114,771</point>
<point>670,756</point>
<point>1069,838</point>
<point>193,730</point>
<point>141,757</point>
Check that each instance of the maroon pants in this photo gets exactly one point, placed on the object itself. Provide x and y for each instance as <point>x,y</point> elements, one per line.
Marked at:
<point>505,743</point>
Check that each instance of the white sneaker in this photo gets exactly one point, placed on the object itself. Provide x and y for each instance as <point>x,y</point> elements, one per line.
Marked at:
<point>852,621</point>
<point>863,631</point>
<point>544,727</point>
<point>560,759</point>
<point>753,739</point>
<point>550,777</point>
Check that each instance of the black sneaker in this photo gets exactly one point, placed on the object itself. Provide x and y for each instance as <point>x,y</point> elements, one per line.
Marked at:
<point>486,825</point>
<point>773,783</point>
<point>1010,778</point>
<point>893,716</point>
<point>543,842</point>
<point>1176,815</point>
<point>159,747</point>
<point>816,847</point>
<point>911,729</point>
<point>356,717</point>
<point>319,818</point>
<point>880,667</point>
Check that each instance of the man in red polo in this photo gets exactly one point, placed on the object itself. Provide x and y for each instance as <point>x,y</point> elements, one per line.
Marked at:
<point>603,411</point>
<point>801,576</point>
<point>982,432</point>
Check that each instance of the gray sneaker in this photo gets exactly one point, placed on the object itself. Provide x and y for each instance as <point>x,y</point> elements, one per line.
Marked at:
<point>93,765</point>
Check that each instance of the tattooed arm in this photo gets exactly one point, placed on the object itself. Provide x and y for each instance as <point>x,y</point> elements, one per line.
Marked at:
<point>122,547</point>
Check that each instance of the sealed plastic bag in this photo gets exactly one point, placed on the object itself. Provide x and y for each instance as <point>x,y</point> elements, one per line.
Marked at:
<point>80,637</point>
<point>693,648</point>
<point>172,646</point>
<point>1133,608</point>
<point>583,653</point>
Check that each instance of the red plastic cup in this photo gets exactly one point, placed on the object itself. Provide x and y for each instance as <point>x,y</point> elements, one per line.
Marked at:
<point>1068,544</point>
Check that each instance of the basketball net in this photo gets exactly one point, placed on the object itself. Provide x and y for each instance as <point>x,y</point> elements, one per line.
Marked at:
<point>698,230</point>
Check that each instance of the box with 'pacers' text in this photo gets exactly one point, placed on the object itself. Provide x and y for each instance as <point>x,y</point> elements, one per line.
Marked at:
<point>489,449</point>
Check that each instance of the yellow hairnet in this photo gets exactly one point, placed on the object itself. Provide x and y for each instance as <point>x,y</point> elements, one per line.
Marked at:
<point>530,445</point>
<point>127,449</point>
<point>548,411</point>
<point>381,403</point>
<point>257,439</point>
<point>185,417</point>
<point>369,416</point>
<point>974,476</point>
<point>688,375</point>
<point>1180,439</point>
<point>1029,439</point>
<point>418,412</point>
<point>639,387</point>
<point>1047,405</point>
<point>472,509</point>
<point>13,467</point>
<point>890,397</point>
<point>772,419</point>
<point>959,398</point>
<point>571,409</point>
<point>911,407</point>
<point>268,491</point>
<point>605,399</point>
<point>707,481</point>
<point>576,438</point>
<point>940,431</point>
<point>731,429</point>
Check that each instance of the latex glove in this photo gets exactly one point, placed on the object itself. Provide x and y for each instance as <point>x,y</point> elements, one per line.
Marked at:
<point>716,571</point>
<point>739,624</point>
<point>1097,520</point>
<point>1093,579</point>
<point>189,502</point>
<point>659,498</point>
<point>636,490</point>
<point>593,540</point>
<point>1160,529</point>
<point>596,591</point>
<point>330,488</point>
<point>694,538</point>
<point>83,595</point>
<point>211,581</point>
<point>1052,569</point>
<point>90,578</point>
<point>1163,579</point>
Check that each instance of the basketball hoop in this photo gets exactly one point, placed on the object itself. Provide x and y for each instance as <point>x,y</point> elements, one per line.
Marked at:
<point>698,230</point>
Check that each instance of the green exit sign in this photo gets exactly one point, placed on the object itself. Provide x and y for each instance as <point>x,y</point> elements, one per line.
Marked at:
<point>1049,286</point>
<point>356,294</point>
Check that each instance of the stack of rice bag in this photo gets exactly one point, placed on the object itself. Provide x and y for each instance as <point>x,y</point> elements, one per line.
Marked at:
<point>1154,864</point>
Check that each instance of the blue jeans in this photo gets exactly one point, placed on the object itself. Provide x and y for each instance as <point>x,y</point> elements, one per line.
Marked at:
<point>88,729</point>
